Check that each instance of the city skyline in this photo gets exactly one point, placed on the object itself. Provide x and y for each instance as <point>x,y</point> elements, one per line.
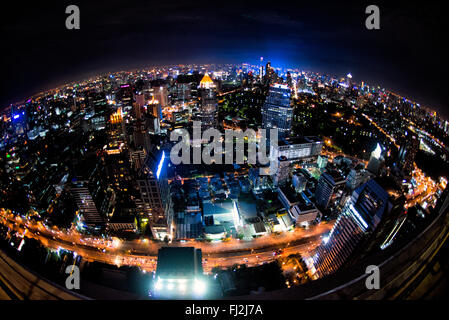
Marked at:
<point>166,150</point>
<point>402,56</point>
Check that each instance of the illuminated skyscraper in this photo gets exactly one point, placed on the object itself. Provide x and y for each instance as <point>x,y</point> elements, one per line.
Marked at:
<point>407,154</point>
<point>369,204</point>
<point>125,95</point>
<point>277,111</point>
<point>161,95</point>
<point>155,193</point>
<point>330,187</point>
<point>209,102</point>
<point>289,80</point>
<point>376,161</point>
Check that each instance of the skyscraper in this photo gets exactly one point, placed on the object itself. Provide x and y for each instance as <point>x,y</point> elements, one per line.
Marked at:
<point>277,111</point>
<point>407,154</point>
<point>376,161</point>
<point>155,193</point>
<point>368,205</point>
<point>161,95</point>
<point>330,187</point>
<point>209,102</point>
<point>270,75</point>
<point>283,170</point>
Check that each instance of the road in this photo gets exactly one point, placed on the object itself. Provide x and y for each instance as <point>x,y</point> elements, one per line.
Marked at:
<point>143,253</point>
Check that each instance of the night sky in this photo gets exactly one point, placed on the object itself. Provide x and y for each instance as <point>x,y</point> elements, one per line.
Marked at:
<point>407,55</point>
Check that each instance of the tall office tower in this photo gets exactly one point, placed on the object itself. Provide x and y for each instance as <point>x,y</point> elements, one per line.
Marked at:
<point>329,189</point>
<point>141,137</point>
<point>283,170</point>
<point>183,92</point>
<point>407,154</point>
<point>138,105</point>
<point>98,102</point>
<point>154,108</point>
<point>376,161</point>
<point>161,94</point>
<point>137,158</point>
<point>209,102</point>
<point>322,161</point>
<point>125,95</point>
<point>271,76</point>
<point>289,80</point>
<point>370,204</point>
<point>116,124</point>
<point>152,123</point>
<point>87,209</point>
<point>155,193</point>
<point>277,111</point>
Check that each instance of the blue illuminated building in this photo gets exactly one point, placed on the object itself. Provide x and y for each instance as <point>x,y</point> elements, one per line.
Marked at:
<point>277,111</point>
<point>155,194</point>
<point>361,215</point>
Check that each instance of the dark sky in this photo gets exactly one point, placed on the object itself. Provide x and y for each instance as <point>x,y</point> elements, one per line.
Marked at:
<point>407,55</point>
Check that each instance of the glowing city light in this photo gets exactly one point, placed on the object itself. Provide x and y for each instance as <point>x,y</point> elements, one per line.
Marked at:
<point>159,166</point>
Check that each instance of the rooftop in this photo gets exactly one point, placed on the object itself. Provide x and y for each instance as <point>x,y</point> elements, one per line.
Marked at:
<point>177,261</point>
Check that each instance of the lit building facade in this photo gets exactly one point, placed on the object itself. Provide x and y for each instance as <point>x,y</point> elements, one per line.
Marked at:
<point>209,102</point>
<point>360,216</point>
<point>277,111</point>
<point>155,193</point>
<point>330,187</point>
<point>407,154</point>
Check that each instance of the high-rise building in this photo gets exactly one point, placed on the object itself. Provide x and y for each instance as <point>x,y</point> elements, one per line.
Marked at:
<point>183,92</point>
<point>299,182</point>
<point>138,105</point>
<point>357,176</point>
<point>154,108</point>
<point>270,76</point>
<point>376,161</point>
<point>161,95</point>
<point>137,158</point>
<point>283,170</point>
<point>98,102</point>
<point>277,111</point>
<point>209,102</point>
<point>369,204</point>
<point>407,154</point>
<point>322,161</point>
<point>155,193</point>
<point>141,136</point>
<point>330,187</point>
<point>152,124</point>
<point>125,95</point>
<point>289,80</point>
<point>88,212</point>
